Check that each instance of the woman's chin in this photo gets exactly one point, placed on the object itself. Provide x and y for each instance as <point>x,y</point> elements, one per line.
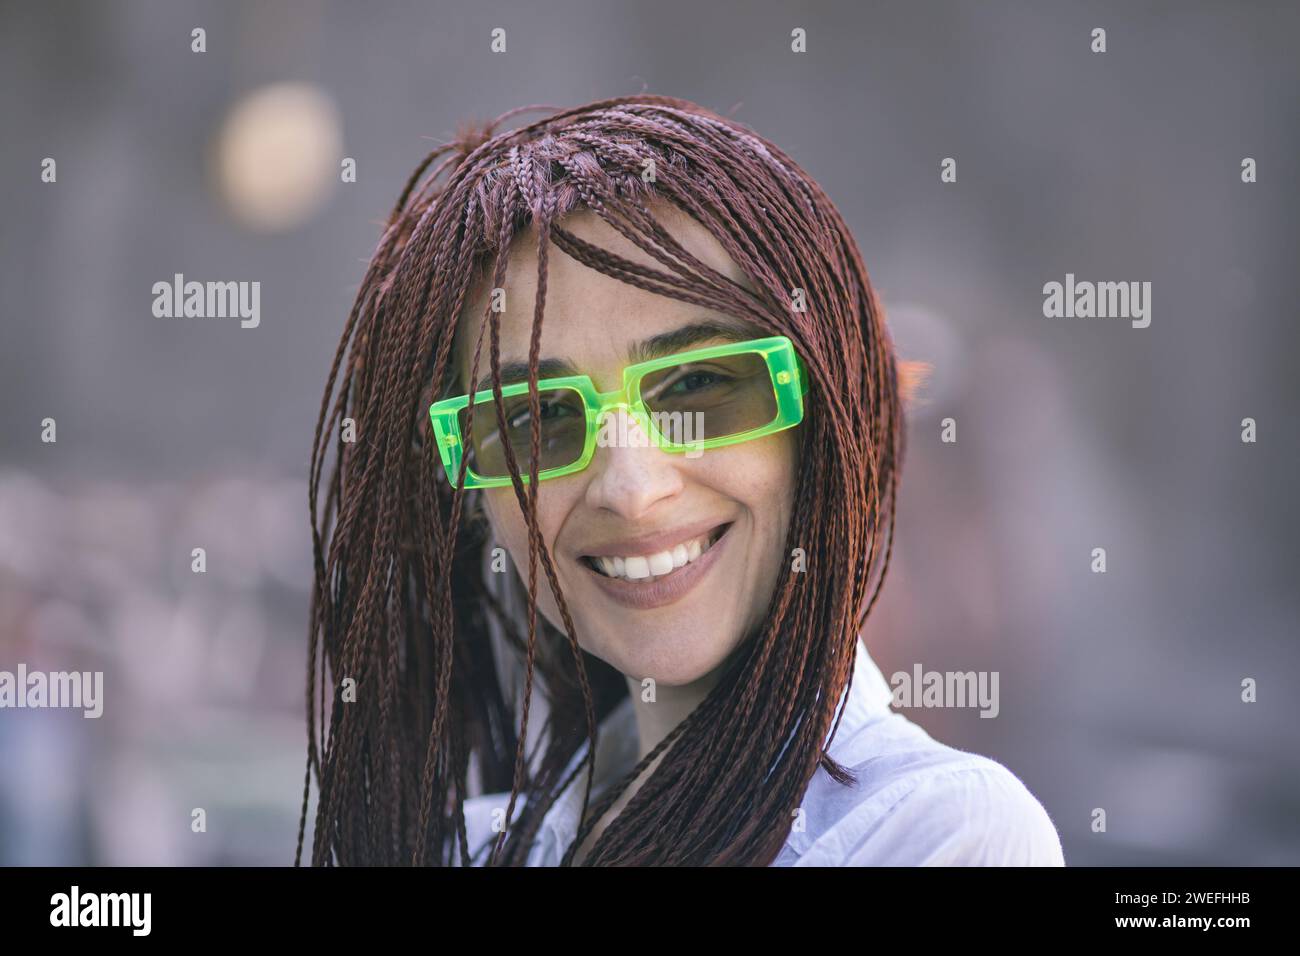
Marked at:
<point>672,659</point>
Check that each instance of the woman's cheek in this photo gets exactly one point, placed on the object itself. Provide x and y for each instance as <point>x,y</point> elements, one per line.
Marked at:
<point>508,527</point>
<point>511,532</point>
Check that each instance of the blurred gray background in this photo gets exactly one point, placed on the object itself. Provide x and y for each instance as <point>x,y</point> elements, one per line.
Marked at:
<point>1119,690</point>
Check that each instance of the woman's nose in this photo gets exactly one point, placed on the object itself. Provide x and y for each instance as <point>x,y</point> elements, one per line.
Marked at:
<point>629,473</point>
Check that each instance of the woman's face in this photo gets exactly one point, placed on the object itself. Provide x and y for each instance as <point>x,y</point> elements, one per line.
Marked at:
<point>638,502</point>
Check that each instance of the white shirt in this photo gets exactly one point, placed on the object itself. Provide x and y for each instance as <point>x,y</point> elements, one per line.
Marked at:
<point>918,802</point>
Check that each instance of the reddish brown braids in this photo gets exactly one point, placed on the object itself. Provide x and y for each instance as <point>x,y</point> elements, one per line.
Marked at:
<point>392,540</point>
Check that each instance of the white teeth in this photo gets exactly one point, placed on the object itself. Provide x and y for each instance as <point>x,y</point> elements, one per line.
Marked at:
<point>640,567</point>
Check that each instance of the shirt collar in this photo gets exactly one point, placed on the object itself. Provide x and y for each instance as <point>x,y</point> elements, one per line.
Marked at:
<point>617,752</point>
<point>865,701</point>
<point>618,749</point>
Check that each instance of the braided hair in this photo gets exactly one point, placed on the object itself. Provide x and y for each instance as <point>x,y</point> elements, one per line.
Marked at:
<point>400,605</point>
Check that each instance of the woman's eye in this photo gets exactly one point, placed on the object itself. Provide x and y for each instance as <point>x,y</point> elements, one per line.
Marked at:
<point>550,411</point>
<point>692,381</point>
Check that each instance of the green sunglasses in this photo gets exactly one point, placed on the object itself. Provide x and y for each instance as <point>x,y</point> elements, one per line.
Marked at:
<point>684,403</point>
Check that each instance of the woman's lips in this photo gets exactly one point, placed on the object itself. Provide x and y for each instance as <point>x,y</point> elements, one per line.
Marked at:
<point>644,595</point>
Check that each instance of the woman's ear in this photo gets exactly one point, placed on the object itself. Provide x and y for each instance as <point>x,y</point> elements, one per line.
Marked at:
<point>912,377</point>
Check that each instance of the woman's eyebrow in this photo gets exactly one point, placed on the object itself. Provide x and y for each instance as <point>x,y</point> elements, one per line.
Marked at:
<point>518,372</point>
<point>679,340</point>
<point>656,346</point>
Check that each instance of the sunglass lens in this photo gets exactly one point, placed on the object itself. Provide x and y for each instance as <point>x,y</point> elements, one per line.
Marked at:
<point>563,432</point>
<point>710,398</point>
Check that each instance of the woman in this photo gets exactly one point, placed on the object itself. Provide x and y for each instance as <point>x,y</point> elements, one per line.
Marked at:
<point>623,367</point>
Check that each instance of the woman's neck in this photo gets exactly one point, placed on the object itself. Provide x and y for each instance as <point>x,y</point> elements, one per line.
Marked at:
<point>659,709</point>
<point>655,720</point>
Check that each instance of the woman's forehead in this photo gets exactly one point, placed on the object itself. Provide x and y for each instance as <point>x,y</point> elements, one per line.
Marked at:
<point>586,312</point>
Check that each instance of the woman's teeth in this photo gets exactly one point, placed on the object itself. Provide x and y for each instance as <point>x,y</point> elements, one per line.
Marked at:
<point>641,567</point>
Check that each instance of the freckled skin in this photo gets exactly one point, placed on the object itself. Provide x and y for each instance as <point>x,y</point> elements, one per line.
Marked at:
<point>592,319</point>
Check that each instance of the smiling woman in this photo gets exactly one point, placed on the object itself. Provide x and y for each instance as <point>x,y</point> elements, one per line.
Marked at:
<point>637,503</point>
<point>707,698</point>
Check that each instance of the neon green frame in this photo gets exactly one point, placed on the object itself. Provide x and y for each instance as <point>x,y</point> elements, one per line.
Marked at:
<point>789,384</point>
